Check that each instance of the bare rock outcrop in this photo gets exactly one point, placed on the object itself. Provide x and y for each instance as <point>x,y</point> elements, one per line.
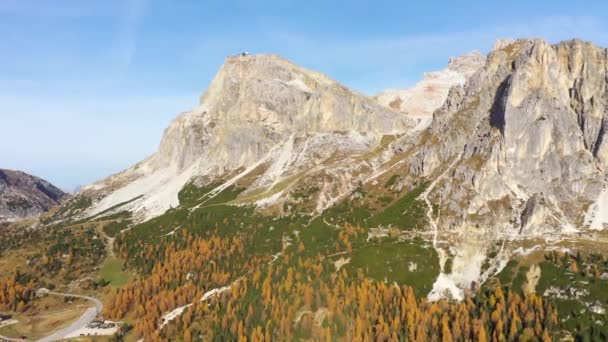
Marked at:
<point>24,196</point>
<point>255,113</point>
<point>420,101</point>
<point>528,131</point>
<point>268,98</point>
<point>523,137</point>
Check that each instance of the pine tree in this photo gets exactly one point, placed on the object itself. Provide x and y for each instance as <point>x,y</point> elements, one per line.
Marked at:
<point>187,336</point>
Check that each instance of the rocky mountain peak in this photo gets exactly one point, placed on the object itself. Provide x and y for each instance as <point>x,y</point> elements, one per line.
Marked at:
<point>257,110</point>
<point>526,123</point>
<point>270,98</point>
<point>420,101</point>
<point>571,76</point>
<point>24,196</point>
<point>241,69</point>
<point>516,152</point>
<point>468,63</point>
<point>530,125</point>
<point>500,44</point>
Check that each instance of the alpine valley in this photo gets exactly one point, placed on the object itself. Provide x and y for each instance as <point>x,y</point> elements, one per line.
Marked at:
<point>286,206</point>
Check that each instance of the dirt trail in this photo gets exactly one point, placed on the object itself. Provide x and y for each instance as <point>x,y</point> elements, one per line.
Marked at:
<point>429,213</point>
<point>6,323</point>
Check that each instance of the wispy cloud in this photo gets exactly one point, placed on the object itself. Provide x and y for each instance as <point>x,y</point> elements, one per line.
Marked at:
<point>378,63</point>
<point>132,17</point>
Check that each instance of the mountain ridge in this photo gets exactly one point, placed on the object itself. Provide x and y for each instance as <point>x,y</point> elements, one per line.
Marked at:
<point>528,77</point>
<point>282,106</point>
<point>291,115</point>
<point>427,95</point>
<point>277,103</point>
<point>25,196</point>
<point>270,195</point>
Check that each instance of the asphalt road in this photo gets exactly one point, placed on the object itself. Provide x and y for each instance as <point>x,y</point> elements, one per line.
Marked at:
<point>83,321</point>
<point>8,339</point>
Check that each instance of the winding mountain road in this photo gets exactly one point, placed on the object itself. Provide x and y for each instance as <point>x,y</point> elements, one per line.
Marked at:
<point>87,317</point>
<point>9,339</point>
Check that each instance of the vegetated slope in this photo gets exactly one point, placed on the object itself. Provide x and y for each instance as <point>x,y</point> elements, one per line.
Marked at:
<point>24,196</point>
<point>329,234</point>
<point>514,153</point>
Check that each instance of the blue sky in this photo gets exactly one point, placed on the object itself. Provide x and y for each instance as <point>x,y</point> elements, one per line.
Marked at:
<point>87,87</point>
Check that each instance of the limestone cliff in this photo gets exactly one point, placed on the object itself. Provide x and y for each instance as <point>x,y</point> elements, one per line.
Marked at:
<point>257,111</point>
<point>503,147</point>
<point>526,138</point>
<point>519,142</point>
<point>420,101</point>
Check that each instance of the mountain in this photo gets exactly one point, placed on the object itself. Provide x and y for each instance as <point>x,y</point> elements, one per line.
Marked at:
<point>297,209</point>
<point>525,141</point>
<point>25,196</point>
<point>261,114</point>
<point>429,94</point>
<point>516,150</point>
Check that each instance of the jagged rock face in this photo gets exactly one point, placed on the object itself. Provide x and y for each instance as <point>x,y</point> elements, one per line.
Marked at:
<point>268,98</point>
<point>254,109</point>
<point>429,94</point>
<point>24,196</point>
<point>500,44</point>
<point>528,139</point>
<point>522,140</point>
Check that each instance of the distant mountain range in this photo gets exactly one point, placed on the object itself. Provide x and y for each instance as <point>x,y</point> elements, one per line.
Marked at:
<point>25,196</point>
